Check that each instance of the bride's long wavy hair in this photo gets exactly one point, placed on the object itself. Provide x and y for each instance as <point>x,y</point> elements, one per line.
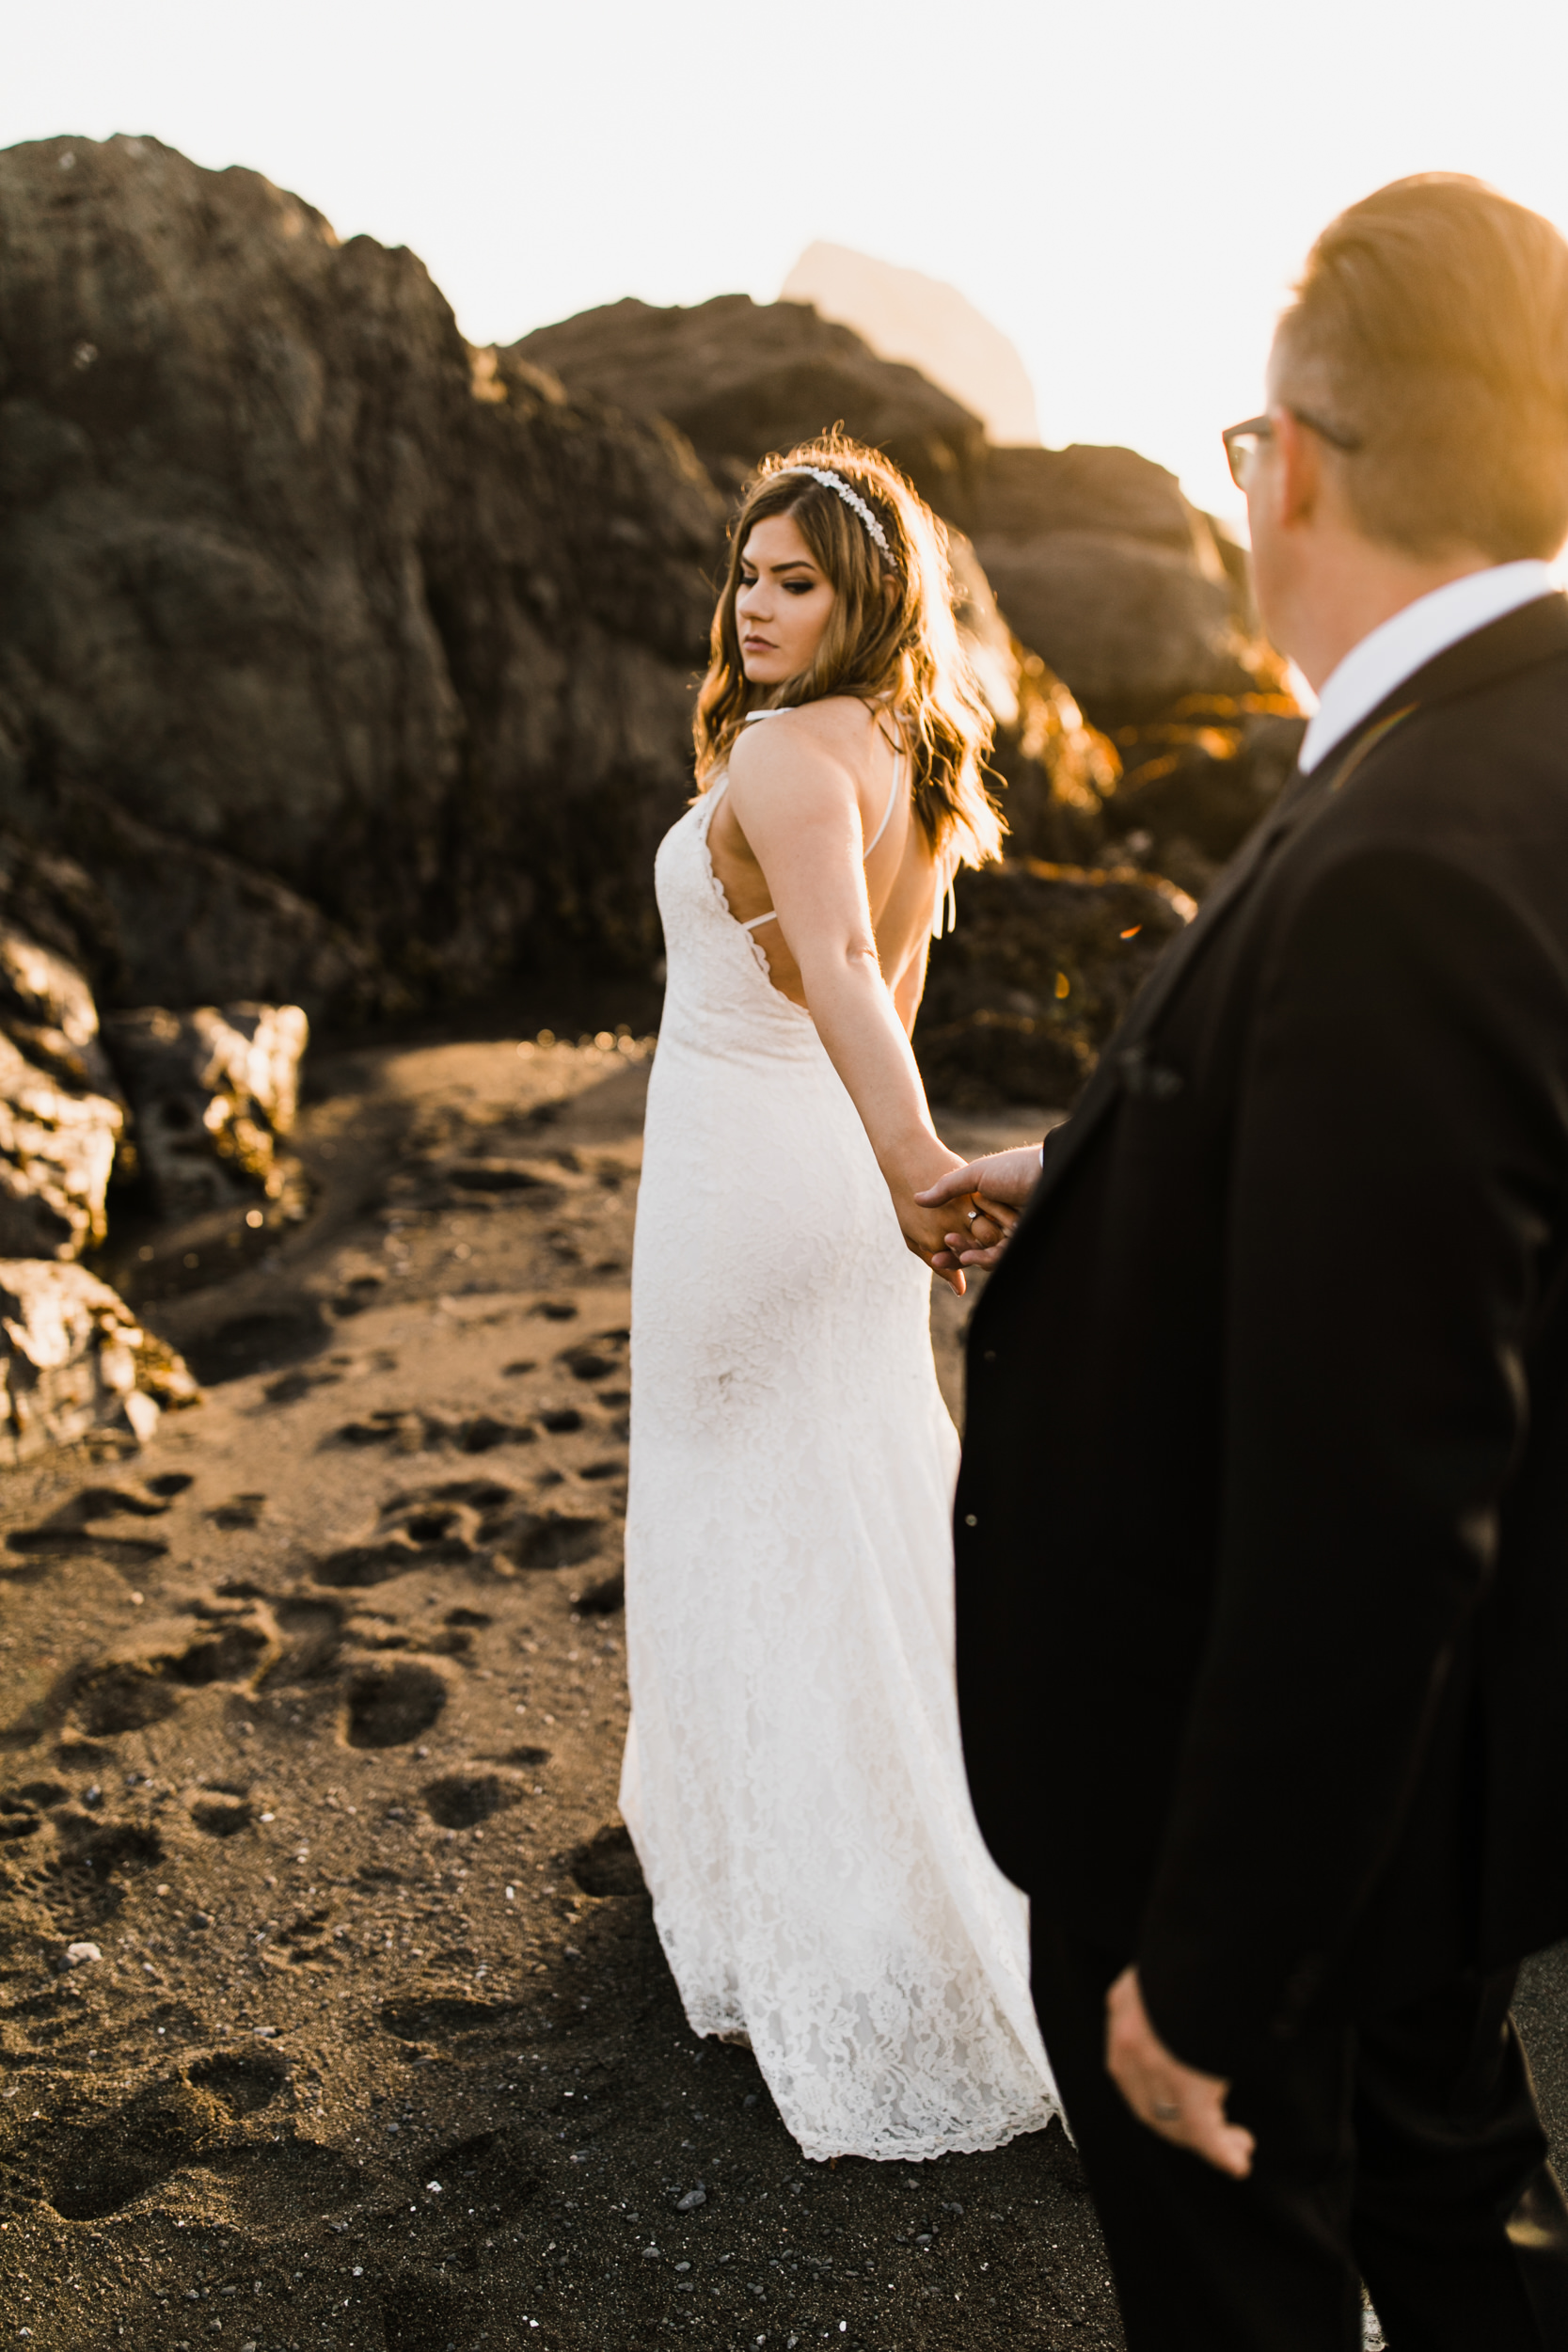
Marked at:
<point>891,635</point>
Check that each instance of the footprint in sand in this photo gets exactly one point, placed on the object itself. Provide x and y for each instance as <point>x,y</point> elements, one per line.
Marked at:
<point>222,1815</point>
<point>89,2171</point>
<point>596,1359</point>
<point>76,1526</point>
<point>464,1800</point>
<point>404,1429</point>
<point>142,1685</point>
<point>607,1863</point>
<point>389,1705</point>
<point>239,1511</point>
<point>238,2086</point>
<point>457,1522</point>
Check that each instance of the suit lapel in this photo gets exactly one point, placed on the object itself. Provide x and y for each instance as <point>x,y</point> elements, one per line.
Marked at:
<point>1534,632</point>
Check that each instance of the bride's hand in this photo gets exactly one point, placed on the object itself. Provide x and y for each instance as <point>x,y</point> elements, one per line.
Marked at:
<point>995,1189</point>
<point>925,1230</point>
<point>922,1234</point>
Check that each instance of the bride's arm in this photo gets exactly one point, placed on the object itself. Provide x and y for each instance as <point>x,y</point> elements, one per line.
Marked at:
<point>910,987</point>
<point>796,803</point>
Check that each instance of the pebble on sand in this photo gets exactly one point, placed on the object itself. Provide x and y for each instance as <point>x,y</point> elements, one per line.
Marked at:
<point>76,1954</point>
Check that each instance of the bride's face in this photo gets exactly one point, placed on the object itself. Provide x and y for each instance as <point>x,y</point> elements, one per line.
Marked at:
<point>782,603</point>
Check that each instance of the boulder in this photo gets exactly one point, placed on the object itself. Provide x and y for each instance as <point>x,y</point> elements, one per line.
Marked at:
<point>192,924</point>
<point>1131,624</point>
<point>742,378</point>
<point>215,1092</point>
<point>1043,963</point>
<point>47,1012</point>
<point>1029,494</point>
<point>1099,563</point>
<point>1195,783</point>
<point>56,1149</point>
<point>1055,770</point>
<point>349,665</point>
<point>344,666</point>
<point>1130,593</point>
<point>61,1112</point>
<point>73,1359</point>
<point>1059,774</point>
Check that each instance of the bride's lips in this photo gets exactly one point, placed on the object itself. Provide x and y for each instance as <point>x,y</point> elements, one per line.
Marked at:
<point>756,644</point>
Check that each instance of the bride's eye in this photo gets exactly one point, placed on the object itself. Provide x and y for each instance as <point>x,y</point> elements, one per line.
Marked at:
<point>798,587</point>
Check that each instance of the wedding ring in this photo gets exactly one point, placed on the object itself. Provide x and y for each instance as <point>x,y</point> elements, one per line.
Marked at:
<point>970,1215</point>
<point>1167,2115</point>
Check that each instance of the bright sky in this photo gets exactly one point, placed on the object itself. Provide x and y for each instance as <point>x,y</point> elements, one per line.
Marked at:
<point>1124,186</point>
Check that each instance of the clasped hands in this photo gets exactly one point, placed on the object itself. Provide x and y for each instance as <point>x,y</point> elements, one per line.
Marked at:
<point>993,1191</point>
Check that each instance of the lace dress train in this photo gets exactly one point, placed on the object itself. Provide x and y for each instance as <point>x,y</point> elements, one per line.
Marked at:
<point>793,1777</point>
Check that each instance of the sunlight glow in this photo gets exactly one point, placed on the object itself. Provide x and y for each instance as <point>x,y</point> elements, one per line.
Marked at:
<point>1125,190</point>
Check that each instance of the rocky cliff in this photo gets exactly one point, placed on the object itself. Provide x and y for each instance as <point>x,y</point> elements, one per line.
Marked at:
<point>344,666</point>
<point>740,378</point>
<point>1100,565</point>
<point>351,669</point>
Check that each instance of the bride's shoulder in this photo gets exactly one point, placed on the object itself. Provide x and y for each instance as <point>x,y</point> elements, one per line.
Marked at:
<point>835,730</point>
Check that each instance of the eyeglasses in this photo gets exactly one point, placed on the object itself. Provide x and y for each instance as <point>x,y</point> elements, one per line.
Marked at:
<point>1242,441</point>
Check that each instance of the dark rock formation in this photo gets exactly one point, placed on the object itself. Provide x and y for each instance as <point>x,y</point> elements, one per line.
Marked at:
<point>1059,773</point>
<point>61,1111</point>
<point>1044,961</point>
<point>740,378</point>
<point>1107,571</point>
<point>1196,782</point>
<point>370,655</point>
<point>1130,626</point>
<point>1035,493</point>
<point>1056,771</point>
<point>1099,563</point>
<point>47,1012</point>
<point>215,1093</point>
<point>56,1149</point>
<point>73,1358</point>
<point>344,666</point>
<point>190,924</point>
<point>1086,565</point>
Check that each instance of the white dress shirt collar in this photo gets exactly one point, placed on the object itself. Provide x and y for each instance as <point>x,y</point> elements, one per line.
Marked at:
<point>1395,650</point>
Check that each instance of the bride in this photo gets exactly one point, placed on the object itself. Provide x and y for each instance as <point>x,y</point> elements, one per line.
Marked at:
<point>793,1780</point>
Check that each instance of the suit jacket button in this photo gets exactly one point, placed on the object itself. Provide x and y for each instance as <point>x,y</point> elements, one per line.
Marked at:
<point>970,1520</point>
<point>988,1356</point>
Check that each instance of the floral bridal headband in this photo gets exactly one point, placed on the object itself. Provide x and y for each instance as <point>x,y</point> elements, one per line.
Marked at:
<point>851,498</point>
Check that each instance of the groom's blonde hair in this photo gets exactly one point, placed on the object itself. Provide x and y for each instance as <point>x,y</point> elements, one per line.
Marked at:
<point>891,634</point>
<point>1431,329</point>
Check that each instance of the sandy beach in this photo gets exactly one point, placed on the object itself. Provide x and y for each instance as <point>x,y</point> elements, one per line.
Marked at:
<point>331,2010</point>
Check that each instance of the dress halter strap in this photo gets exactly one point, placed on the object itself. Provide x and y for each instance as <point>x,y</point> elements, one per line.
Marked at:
<point>887,814</point>
<point>892,798</point>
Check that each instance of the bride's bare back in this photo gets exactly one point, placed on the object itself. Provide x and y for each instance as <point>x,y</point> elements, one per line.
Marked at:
<point>849,856</point>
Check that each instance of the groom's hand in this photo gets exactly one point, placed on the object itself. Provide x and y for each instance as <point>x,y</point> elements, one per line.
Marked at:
<point>1183,2106</point>
<point>1000,1183</point>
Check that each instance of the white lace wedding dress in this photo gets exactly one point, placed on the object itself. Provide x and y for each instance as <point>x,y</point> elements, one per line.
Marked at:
<point>793,1778</point>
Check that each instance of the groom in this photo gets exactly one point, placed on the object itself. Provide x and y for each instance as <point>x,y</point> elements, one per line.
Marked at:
<point>1262,1527</point>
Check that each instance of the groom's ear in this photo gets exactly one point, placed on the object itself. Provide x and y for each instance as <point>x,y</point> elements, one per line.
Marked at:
<point>1295,484</point>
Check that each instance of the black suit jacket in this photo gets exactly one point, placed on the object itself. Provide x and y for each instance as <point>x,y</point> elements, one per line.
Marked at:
<point>1262,1525</point>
